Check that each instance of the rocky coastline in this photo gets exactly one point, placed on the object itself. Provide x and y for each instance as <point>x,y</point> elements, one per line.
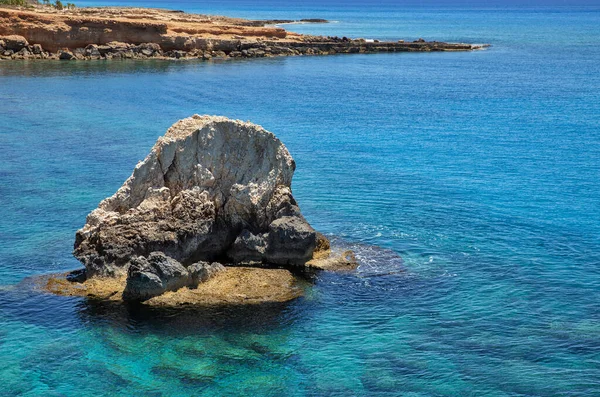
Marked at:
<point>136,33</point>
<point>207,217</point>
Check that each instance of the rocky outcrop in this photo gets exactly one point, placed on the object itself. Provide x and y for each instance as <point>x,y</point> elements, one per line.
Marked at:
<point>228,286</point>
<point>211,189</point>
<point>157,274</point>
<point>127,33</point>
<point>154,275</point>
<point>13,43</point>
<point>201,272</point>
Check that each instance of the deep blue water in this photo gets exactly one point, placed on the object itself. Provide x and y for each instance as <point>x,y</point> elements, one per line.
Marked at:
<point>480,170</point>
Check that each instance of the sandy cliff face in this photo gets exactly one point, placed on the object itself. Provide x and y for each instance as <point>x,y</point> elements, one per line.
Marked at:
<point>126,33</point>
<point>170,29</point>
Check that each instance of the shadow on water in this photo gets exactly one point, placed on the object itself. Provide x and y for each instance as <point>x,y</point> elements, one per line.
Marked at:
<point>188,320</point>
<point>27,303</point>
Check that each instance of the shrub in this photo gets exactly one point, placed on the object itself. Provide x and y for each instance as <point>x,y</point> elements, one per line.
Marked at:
<point>15,2</point>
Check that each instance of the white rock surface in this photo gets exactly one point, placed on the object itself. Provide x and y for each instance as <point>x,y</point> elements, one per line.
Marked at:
<point>207,180</point>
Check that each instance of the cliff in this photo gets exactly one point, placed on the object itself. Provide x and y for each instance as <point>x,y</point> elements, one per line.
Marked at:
<point>114,32</point>
<point>54,29</point>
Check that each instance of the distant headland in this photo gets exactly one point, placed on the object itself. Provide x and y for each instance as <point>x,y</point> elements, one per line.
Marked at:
<point>44,32</point>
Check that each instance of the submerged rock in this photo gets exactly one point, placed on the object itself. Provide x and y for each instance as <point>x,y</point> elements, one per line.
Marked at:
<point>211,188</point>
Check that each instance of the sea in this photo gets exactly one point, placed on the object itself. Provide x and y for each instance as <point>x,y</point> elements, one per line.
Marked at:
<point>467,183</point>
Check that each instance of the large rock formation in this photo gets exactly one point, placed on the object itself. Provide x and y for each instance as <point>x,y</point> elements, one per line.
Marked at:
<point>210,189</point>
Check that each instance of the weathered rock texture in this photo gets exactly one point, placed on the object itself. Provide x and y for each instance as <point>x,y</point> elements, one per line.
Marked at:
<point>158,273</point>
<point>211,188</point>
<point>231,286</point>
<point>142,33</point>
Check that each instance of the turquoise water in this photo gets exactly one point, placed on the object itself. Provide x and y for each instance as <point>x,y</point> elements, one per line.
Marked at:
<point>481,171</point>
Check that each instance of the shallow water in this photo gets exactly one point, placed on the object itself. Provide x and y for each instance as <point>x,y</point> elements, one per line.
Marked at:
<point>480,170</point>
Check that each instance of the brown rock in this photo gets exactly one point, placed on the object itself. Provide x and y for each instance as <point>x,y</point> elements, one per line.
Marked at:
<point>65,55</point>
<point>334,261</point>
<point>91,50</point>
<point>24,53</point>
<point>14,42</point>
<point>232,286</point>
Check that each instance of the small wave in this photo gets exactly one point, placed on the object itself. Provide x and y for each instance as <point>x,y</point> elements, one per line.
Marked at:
<point>296,23</point>
<point>373,260</point>
<point>303,23</point>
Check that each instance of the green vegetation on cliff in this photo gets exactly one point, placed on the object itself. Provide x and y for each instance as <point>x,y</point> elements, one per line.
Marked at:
<point>25,3</point>
<point>15,2</point>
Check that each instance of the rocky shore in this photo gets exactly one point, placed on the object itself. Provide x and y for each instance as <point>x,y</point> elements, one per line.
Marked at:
<point>139,33</point>
<point>232,286</point>
<point>207,216</point>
